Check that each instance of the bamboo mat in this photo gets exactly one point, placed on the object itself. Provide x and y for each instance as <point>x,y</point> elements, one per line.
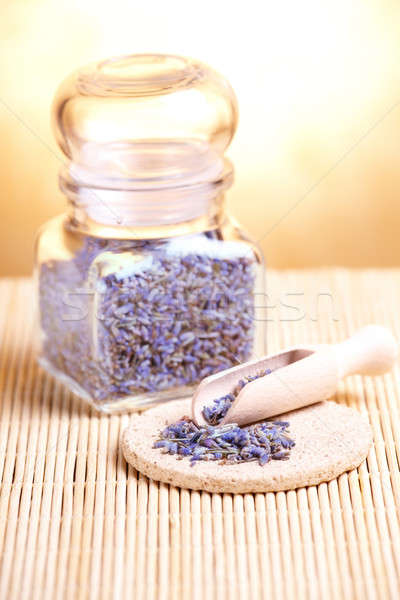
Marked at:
<point>76,522</point>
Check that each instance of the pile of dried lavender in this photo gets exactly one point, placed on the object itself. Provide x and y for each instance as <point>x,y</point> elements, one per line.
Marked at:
<point>229,443</point>
<point>216,412</point>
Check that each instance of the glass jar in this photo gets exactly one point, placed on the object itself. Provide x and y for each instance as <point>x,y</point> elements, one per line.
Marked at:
<point>146,285</point>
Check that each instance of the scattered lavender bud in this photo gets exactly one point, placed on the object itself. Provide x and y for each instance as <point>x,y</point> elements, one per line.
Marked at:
<point>161,444</point>
<point>264,458</point>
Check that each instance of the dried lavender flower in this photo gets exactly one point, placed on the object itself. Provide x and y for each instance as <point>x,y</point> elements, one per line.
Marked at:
<point>229,443</point>
<point>214,413</point>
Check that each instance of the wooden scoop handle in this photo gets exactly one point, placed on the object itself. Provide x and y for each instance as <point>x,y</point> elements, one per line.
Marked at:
<point>370,351</point>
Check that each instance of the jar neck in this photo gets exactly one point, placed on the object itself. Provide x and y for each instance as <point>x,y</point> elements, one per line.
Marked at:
<point>80,220</point>
<point>146,212</point>
<point>83,224</point>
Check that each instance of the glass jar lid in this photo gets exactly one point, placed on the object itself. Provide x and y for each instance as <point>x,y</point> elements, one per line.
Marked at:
<point>145,120</point>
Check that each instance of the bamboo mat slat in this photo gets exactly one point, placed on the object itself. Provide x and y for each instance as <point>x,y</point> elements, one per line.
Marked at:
<point>77,523</point>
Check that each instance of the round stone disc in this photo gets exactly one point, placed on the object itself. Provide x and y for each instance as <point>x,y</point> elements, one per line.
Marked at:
<point>330,438</point>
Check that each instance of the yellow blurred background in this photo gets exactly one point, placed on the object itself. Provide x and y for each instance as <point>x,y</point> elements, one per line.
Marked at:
<point>317,149</point>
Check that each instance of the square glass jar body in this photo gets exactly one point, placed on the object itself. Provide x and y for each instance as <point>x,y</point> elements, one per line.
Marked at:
<point>131,323</point>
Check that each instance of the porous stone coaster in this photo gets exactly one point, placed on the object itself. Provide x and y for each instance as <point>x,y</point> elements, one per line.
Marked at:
<point>330,438</point>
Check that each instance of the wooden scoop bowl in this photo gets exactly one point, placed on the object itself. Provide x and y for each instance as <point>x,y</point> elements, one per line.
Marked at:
<point>300,376</point>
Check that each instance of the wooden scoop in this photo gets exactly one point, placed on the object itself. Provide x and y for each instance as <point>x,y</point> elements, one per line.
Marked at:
<point>300,376</point>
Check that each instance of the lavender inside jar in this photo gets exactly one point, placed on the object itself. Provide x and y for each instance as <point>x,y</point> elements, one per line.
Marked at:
<point>136,321</point>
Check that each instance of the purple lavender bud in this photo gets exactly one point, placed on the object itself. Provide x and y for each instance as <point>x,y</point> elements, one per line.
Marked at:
<point>257,451</point>
<point>199,451</point>
<point>286,442</point>
<point>160,444</point>
<point>173,448</point>
<point>264,458</point>
<point>246,453</point>
<point>183,451</point>
<point>208,443</point>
